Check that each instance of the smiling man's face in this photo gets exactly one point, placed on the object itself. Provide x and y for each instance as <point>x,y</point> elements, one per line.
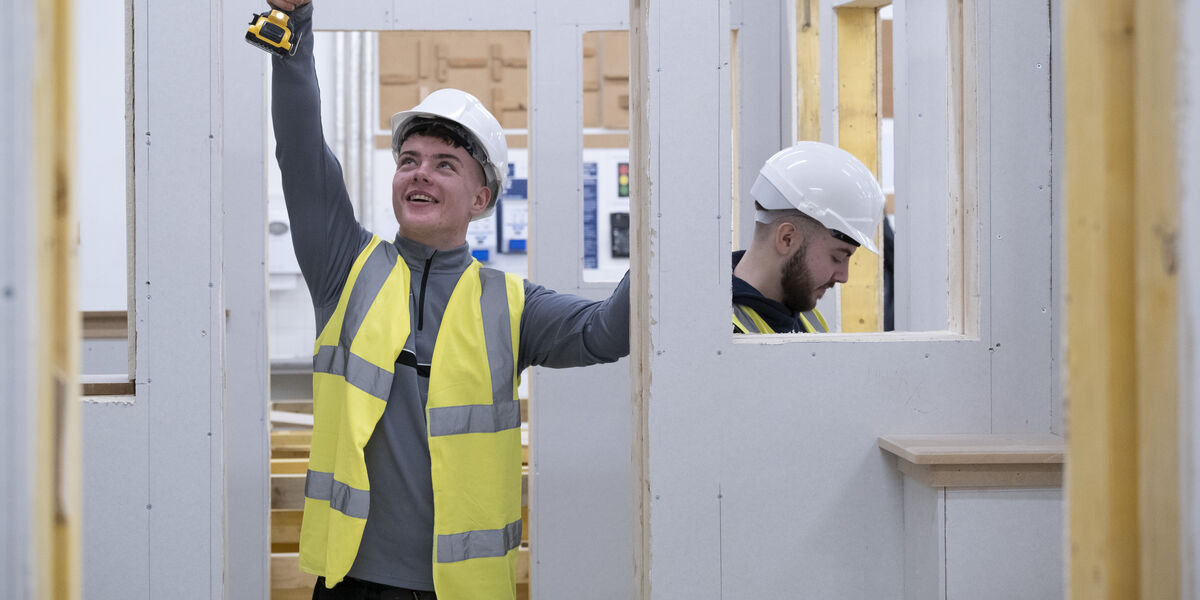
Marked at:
<point>436,191</point>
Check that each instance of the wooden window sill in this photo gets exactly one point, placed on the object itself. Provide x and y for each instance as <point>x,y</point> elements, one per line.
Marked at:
<point>979,460</point>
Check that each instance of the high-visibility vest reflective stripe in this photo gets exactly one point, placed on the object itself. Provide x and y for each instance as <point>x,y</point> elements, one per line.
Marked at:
<point>353,362</point>
<point>475,439</point>
<point>747,320</point>
<point>814,321</point>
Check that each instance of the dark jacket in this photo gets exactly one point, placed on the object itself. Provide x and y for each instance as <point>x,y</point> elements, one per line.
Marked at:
<point>774,313</point>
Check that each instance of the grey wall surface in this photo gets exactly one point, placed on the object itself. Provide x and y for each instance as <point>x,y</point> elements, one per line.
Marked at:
<point>99,54</point>
<point>761,457</point>
<point>18,299</point>
<point>170,510</point>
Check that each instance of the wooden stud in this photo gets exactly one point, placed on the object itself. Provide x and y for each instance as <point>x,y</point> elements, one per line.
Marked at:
<point>56,531</point>
<point>858,133</point>
<point>1122,183</point>
<point>960,111</point>
<point>639,288</point>
<point>1102,478</point>
<point>808,71</point>
<point>1157,340</point>
<point>735,96</point>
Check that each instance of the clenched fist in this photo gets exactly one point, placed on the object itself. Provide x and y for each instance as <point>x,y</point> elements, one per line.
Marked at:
<point>287,5</point>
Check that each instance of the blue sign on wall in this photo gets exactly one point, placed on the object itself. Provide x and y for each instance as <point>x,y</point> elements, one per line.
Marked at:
<point>590,246</point>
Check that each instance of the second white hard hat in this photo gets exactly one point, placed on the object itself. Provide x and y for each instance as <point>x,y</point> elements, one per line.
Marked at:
<point>825,183</point>
<point>466,110</point>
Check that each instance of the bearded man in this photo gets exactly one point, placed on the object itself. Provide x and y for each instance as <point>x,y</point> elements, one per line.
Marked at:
<point>815,205</point>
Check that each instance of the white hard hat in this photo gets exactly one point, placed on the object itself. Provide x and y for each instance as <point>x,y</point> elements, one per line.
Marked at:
<point>825,183</point>
<point>486,135</point>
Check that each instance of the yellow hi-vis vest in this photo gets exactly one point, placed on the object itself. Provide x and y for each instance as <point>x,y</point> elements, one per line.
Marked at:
<point>747,320</point>
<point>473,423</point>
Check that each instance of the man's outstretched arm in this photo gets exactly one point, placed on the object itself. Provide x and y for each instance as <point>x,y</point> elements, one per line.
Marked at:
<point>563,330</point>
<point>325,235</point>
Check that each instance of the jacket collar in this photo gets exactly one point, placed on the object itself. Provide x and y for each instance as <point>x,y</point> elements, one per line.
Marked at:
<point>417,255</point>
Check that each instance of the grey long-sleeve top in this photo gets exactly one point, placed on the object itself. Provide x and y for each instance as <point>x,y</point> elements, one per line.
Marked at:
<point>557,330</point>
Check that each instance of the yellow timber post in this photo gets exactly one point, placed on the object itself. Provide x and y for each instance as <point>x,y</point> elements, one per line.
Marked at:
<point>808,71</point>
<point>858,134</point>
<point>57,514</point>
<point>1121,300</point>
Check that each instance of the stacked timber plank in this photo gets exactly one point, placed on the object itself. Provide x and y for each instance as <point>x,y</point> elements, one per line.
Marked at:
<point>289,462</point>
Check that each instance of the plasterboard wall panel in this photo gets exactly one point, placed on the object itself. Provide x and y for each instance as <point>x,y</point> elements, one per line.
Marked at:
<point>17,300</point>
<point>600,15</point>
<point>465,14</point>
<point>687,107</point>
<point>581,431</point>
<point>762,469</point>
<point>829,71</point>
<point>922,137</point>
<point>246,427</point>
<point>416,15</point>
<point>555,153</point>
<point>763,56</point>
<point>802,435</point>
<point>924,541</point>
<point>116,518</point>
<point>99,56</point>
<point>1015,149</point>
<point>1004,544</point>
<point>582,484</point>
<point>363,14</point>
<point>180,317</point>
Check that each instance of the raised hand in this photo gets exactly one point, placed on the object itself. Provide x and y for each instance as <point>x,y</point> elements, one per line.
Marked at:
<point>287,5</point>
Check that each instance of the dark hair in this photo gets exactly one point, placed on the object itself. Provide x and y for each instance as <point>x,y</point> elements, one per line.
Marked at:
<point>802,221</point>
<point>446,131</point>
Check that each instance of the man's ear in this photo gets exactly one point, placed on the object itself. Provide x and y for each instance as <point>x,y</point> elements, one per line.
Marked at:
<point>482,198</point>
<point>787,238</point>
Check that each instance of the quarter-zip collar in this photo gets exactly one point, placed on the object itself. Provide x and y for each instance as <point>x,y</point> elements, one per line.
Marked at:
<point>417,255</point>
<point>424,261</point>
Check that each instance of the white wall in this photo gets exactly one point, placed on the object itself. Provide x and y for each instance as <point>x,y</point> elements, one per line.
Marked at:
<point>175,477</point>
<point>1004,543</point>
<point>762,469</point>
<point>18,301</point>
<point>100,152</point>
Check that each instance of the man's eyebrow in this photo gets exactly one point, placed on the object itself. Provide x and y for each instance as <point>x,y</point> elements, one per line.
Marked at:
<point>446,155</point>
<point>846,251</point>
<point>441,155</point>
